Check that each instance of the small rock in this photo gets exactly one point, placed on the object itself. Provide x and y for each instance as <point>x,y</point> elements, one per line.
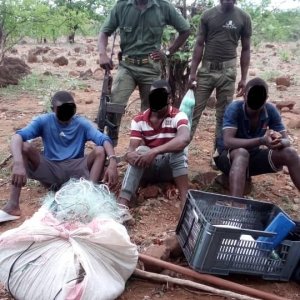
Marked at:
<point>47,73</point>
<point>285,109</point>
<point>150,191</point>
<point>45,59</point>
<point>296,200</point>
<point>74,73</point>
<point>98,74</point>
<point>289,104</point>
<point>61,61</point>
<point>270,46</point>
<point>32,58</point>
<point>89,48</point>
<point>81,62</point>
<point>40,50</point>
<point>90,101</point>
<point>86,74</point>
<point>14,51</point>
<point>281,88</point>
<point>53,53</point>
<point>87,89</point>
<point>77,49</point>
<point>283,80</point>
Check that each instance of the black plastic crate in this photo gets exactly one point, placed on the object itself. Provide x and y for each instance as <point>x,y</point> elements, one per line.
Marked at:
<point>218,236</point>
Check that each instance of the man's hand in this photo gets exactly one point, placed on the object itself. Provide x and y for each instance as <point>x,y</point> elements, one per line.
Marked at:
<point>274,140</point>
<point>111,174</point>
<point>158,55</point>
<point>278,142</point>
<point>105,62</point>
<point>192,83</point>
<point>241,88</point>
<point>145,160</point>
<point>131,157</point>
<point>19,176</point>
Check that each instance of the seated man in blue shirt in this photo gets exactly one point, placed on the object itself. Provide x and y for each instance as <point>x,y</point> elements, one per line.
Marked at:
<point>254,140</point>
<point>64,135</point>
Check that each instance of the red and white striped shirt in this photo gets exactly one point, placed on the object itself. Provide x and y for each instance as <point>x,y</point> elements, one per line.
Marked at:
<point>142,129</point>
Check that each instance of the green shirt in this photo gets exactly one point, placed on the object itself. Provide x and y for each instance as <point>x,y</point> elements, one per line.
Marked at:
<point>141,31</point>
<point>222,32</point>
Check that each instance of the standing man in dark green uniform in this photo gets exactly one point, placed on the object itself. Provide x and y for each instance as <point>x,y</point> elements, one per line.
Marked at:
<point>141,24</point>
<point>220,30</point>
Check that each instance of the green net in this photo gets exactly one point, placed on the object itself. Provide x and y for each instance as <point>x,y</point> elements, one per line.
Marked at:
<point>80,200</point>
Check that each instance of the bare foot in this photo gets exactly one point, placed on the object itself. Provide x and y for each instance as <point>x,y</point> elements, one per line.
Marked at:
<point>10,209</point>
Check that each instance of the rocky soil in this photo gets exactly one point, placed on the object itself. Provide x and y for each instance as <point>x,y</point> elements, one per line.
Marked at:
<point>157,208</point>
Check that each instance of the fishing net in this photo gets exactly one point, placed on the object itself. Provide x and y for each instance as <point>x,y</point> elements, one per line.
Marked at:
<point>82,201</point>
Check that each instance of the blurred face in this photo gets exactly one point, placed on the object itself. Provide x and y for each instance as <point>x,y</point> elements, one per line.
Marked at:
<point>65,112</point>
<point>227,5</point>
<point>255,98</point>
<point>158,100</point>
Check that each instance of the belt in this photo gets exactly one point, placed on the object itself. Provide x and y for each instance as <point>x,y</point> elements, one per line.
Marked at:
<point>137,60</point>
<point>218,66</point>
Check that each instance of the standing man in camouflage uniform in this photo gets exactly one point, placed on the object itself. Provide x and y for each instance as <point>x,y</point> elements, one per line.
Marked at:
<point>141,24</point>
<point>220,30</point>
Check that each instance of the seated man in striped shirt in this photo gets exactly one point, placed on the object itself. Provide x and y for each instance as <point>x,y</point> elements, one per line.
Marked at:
<point>158,138</point>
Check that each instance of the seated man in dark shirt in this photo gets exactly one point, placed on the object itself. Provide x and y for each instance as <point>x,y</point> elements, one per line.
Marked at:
<point>254,140</point>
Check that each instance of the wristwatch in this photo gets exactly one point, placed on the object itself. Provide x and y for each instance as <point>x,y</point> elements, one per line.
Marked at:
<point>114,157</point>
<point>168,53</point>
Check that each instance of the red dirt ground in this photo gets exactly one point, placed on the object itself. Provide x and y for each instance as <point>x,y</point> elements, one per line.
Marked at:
<point>156,218</point>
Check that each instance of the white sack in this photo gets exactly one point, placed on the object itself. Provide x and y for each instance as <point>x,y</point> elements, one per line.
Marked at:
<point>42,259</point>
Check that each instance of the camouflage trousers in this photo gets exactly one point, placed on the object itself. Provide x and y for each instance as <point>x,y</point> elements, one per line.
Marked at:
<point>219,76</point>
<point>130,76</point>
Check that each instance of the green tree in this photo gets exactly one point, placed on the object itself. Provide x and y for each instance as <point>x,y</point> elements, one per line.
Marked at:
<point>78,13</point>
<point>12,22</point>
<point>177,68</point>
<point>20,18</point>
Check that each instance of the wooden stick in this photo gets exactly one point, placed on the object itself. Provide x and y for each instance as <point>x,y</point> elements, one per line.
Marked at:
<point>189,283</point>
<point>210,279</point>
<point>5,160</point>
